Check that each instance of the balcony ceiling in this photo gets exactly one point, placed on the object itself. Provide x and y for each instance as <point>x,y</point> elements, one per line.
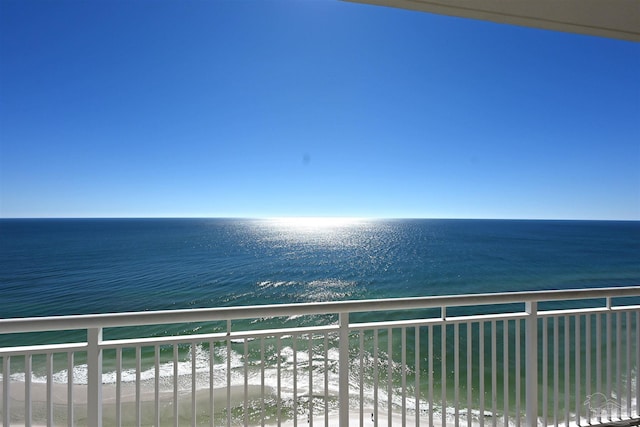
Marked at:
<point>618,19</point>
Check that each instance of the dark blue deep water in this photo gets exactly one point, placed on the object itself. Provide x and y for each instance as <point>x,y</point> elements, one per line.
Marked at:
<point>74,266</point>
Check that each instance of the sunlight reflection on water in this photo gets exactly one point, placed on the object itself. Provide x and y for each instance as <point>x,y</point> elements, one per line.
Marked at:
<point>316,231</point>
<point>314,223</point>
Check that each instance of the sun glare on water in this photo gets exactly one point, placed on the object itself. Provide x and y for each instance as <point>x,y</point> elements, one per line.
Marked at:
<point>315,223</point>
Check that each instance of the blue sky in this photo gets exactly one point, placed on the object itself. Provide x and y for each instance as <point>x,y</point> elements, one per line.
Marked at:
<point>309,108</point>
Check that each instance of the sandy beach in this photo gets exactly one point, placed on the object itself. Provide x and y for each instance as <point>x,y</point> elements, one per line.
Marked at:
<point>147,406</point>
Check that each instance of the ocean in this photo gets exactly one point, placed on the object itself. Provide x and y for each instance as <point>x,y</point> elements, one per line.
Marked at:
<point>79,266</point>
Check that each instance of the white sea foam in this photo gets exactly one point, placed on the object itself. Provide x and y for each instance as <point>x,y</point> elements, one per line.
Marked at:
<point>270,284</point>
<point>284,378</point>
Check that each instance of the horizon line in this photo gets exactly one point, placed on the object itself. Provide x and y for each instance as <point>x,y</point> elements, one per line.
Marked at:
<point>319,217</point>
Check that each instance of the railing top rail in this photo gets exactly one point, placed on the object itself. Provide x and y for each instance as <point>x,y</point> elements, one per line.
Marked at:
<point>108,320</point>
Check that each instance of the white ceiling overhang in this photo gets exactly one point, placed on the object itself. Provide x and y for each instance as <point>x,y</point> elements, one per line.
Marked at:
<point>618,19</point>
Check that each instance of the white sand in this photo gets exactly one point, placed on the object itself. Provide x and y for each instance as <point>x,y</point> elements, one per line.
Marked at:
<point>166,408</point>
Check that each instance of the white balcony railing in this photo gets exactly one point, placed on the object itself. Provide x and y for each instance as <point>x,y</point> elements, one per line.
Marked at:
<point>535,358</point>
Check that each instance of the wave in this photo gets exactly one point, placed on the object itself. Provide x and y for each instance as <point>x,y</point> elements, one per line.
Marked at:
<point>292,382</point>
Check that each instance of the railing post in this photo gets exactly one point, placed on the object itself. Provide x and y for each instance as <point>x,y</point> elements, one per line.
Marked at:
<point>343,373</point>
<point>94,377</point>
<point>6,370</point>
<point>531,361</point>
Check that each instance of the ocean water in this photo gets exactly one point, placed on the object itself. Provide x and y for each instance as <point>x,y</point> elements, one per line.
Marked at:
<point>80,266</point>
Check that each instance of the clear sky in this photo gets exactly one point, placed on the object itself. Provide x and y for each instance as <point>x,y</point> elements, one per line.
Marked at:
<point>260,108</point>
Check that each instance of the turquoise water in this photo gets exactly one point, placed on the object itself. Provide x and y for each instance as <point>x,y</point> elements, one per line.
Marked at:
<point>60,267</point>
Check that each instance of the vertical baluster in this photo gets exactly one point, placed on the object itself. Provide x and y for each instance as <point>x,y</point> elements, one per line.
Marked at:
<point>469,350</point>
<point>28,406</point>
<point>138,378</point>
<point>619,344</point>
<point>119,386</point>
<point>326,378</point>
<point>311,380</point>
<point>545,369</point>
<point>229,355</point>
<point>361,376</point>
<point>156,383</point>
<point>295,379</point>
<point>587,363</point>
<point>578,371</point>
<point>70,381</point>
<point>637,346</point>
<point>246,382</point>
<point>6,389</point>
<point>531,361</point>
<point>175,386</point>
<point>403,363</point>
<point>456,370</point>
<point>518,364</point>
<point>609,338</point>
<point>481,369</point>
<point>598,359</point>
<point>262,385</point>
<point>417,373</point>
<point>375,377</point>
<point>556,369</point>
<point>430,351</point>
<point>494,374</point>
<point>389,375</point>
<point>194,351</point>
<point>629,366</point>
<point>343,369</point>
<point>567,368</point>
<point>505,370</point>
<point>49,363</point>
<point>279,379</point>
<point>443,367</point>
